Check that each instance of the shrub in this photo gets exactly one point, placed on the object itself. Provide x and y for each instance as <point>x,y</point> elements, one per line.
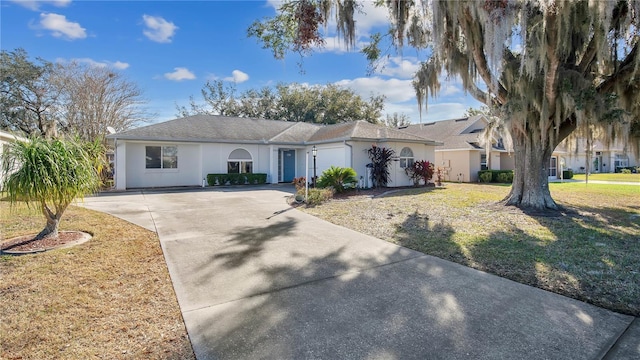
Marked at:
<point>318,196</point>
<point>380,158</point>
<point>485,176</point>
<point>626,171</point>
<point>567,174</point>
<point>420,170</point>
<point>505,177</point>
<point>494,176</point>
<point>338,178</point>
<point>300,183</point>
<point>236,179</point>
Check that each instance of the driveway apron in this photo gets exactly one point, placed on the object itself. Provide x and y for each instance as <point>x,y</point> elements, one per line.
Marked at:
<point>256,279</point>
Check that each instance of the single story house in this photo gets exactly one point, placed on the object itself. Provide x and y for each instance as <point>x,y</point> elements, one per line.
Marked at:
<point>183,151</point>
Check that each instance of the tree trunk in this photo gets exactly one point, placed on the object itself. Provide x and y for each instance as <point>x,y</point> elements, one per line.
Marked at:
<point>530,181</point>
<point>50,230</point>
<point>53,220</point>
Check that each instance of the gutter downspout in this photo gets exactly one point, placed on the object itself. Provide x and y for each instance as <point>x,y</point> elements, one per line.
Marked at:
<point>350,153</point>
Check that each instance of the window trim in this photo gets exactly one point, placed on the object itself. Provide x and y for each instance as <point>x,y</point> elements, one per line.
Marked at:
<point>162,159</point>
<point>242,163</point>
<point>406,161</point>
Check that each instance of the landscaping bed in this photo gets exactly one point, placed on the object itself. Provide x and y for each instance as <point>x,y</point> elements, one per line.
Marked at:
<point>589,251</point>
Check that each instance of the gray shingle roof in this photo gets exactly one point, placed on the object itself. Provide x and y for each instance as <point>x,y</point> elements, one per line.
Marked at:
<point>450,132</point>
<point>211,128</point>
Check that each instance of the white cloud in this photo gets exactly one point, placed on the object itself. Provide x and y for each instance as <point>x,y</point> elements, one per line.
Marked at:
<point>395,90</point>
<point>61,27</point>
<point>35,5</point>
<point>237,76</point>
<point>398,66</point>
<point>158,29</point>
<point>371,16</point>
<point>180,74</point>
<point>105,63</point>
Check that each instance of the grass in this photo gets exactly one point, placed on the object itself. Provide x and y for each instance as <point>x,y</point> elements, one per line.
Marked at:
<point>591,252</point>
<point>109,298</point>
<point>617,177</point>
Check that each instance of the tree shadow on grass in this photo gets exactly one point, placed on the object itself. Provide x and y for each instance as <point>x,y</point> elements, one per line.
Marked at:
<point>586,253</point>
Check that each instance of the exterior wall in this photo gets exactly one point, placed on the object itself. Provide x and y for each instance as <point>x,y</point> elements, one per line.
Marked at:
<point>495,162</point>
<point>459,165</point>
<point>507,161</point>
<point>138,176</point>
<point>215,156</point>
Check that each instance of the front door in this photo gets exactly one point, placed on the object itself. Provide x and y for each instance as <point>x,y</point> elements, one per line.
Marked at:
<point>288,165</point>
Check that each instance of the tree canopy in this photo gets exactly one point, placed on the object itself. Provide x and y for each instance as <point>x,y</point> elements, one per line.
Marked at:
<point>327,104</point>
<point>40,98</point>
<point>551,69</point>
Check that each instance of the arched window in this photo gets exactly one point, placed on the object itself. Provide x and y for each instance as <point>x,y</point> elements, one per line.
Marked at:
<point>239,162</point>
<point>406,157</point>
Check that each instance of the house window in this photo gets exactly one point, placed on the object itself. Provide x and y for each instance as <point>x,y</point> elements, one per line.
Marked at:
<point>553,167</point>
<point>239,162</point>
<point>406,157</point>
<point>161,157</point>
<point>621,160</point>
<point>483,162</point>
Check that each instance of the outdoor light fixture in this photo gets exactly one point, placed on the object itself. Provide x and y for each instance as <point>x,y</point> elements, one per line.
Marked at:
<point>314,152</point>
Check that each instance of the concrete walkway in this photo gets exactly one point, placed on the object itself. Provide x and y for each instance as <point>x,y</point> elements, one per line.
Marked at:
<point>256,279</point>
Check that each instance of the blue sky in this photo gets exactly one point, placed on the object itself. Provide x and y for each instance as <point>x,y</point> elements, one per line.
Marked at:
<point>171,48</point>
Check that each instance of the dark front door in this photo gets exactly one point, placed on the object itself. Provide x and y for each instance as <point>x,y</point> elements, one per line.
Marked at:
<point>288,165</point>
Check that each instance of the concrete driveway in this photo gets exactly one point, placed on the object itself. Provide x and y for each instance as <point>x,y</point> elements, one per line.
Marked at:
<point>256,279</point>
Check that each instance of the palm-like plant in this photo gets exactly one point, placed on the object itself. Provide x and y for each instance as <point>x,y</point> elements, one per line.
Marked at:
<point>51,173</point>
<point>380,158</point>
<point>338,178</point>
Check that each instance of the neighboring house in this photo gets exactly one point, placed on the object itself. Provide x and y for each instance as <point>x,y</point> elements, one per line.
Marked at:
<point>462,154</point>
<point>183,151</point>
<point>604,159</point>
<point>5,139</point>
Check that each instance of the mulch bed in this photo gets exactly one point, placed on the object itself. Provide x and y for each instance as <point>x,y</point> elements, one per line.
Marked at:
<point>28,243</point>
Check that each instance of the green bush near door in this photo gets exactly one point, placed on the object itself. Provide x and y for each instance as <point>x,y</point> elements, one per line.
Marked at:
<point>236,179</point>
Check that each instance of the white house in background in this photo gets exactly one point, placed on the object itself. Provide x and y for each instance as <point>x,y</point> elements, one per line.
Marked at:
<point>604,159</point>
<point>183,151</point>
<point>5,139</point>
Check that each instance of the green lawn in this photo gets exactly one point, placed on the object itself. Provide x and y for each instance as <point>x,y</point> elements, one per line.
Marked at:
<point>591,252</point>
<point>618,177</point>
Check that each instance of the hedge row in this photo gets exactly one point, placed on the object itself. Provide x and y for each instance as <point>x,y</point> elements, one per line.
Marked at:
<point>236,179</point>
<point>506,176</point>
<point>498,176</point>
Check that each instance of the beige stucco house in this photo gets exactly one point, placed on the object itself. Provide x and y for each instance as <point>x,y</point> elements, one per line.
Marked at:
<point>462,155</point>
<point>183,151</point>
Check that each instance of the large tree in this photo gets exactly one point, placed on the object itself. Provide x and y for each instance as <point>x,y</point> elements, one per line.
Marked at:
<point>39,98</point>
<point>551,69</point>
<point>96,98</point>
<point>323,104</point>
<point>29,97</point>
